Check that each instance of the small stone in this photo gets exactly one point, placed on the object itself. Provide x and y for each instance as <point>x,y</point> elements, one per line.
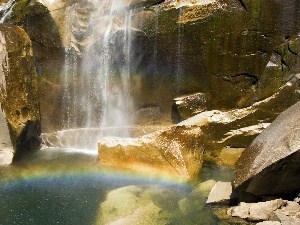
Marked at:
<point>6,157</point>
<point>269,223</point>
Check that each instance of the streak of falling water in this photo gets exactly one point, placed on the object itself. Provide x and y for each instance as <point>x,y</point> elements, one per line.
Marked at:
<point>179,68</point>
<point>97,91</point>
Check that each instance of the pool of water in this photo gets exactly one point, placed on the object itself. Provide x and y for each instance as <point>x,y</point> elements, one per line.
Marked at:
<point>61,186</point>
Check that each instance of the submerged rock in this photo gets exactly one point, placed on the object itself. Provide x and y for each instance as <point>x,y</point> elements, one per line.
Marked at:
<point>137,205</point>
<point>195,201</point>
<point>176,151</point>
<point>19,94</point>
<point>271,164</point>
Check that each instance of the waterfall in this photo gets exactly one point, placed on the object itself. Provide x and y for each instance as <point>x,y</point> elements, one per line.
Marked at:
<point>97,67</point>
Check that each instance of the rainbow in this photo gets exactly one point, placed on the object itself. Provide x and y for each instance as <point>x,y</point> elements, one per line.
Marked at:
<point>53,163</point>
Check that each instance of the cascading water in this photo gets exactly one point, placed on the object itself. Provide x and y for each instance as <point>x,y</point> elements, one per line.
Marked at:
<point>97,72</point>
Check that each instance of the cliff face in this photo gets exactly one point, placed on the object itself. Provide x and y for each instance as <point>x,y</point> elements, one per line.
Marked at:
<point>234,52</point>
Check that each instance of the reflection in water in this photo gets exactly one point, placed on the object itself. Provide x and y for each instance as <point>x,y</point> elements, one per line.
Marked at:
<point>71,187</point>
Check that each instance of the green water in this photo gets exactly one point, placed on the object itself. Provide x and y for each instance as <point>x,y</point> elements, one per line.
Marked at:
<point>67,187</point>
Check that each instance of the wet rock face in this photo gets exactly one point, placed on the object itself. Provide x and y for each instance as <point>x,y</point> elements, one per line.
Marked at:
<point>270,165</point>
<point>19,86</point>
<point>48,53</point>
<point>219,48</point>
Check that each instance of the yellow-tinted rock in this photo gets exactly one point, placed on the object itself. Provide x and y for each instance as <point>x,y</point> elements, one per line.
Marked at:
<point>175,152</point>
<point>223,157</point>
<point>18,79</point>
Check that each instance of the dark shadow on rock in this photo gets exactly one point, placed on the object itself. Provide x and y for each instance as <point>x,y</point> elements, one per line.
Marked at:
<point>278,180</point>
<point>175,115</point>
<point>29,140</point>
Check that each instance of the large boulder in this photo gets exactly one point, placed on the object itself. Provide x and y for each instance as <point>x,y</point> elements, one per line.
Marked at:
<point>48,52</point>
<point>271,164</point>
<point>175,152</point>
<point>19,94</point>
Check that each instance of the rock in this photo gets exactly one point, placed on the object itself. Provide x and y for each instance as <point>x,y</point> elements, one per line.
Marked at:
<point>256,211</point>
<point>6,157</point>
<point>190,105</point>
<point>217,129</point>
<point>195,201</point>
<point>49,58</point>
<point>269,223</point>
<point>220,193</point>
<point>223,157</point>
<point>176,152</point>
<point>270,165</point>
<point>283,219</point>
<point>87,138</point>
<point>241,211</point>
<point>148,114</point>
<point>6,147</point>
<point>29,140</point>
<point>19,95</point>
<point>262,210</point>
<point>291,208</point>
<point>218,67</point>
<point>203,188</point>
<point>135,205</point>
<point>237,128</point>
<point>287,215</point>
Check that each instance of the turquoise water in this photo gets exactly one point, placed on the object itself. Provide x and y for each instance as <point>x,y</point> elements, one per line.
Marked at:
<point>59,186</point>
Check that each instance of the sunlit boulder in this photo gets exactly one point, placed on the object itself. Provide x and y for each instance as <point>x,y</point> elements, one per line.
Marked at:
<point>175,152</point>
<point>271,164</point>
